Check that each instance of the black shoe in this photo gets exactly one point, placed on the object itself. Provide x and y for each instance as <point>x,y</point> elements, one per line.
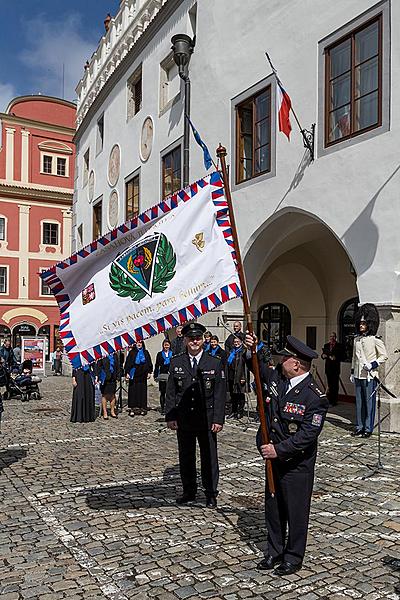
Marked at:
<point>367,434</point>
<point>211,502</point>
<point>185,498</point>
<point>287,568</point>
<point>356,433</point>
<point>269,562</point>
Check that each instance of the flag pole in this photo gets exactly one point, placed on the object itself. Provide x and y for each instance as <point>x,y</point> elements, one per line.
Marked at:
<point>221,153</point>
<point>308,136</point>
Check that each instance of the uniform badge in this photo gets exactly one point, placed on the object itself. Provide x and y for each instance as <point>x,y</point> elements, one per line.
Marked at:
<point>316,420</point>
<point>292,427</point>
<point>294,409</point>
<point>208,384</point>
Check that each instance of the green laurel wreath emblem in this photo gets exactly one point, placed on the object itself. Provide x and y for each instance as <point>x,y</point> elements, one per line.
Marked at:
<point>164,271</point>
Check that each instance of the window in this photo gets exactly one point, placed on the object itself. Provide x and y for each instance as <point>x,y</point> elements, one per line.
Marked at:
<point>353,92</point>
<point>54,165</point>
<point>171,172</point>
<point>86,167</point>
<point>347,327</point>
<point>132,190</point>
<point>253,136</point>
<point>47,163</point>
<point>100,135</point>
<point>50,234</point>
<point>97,219</point>
<point>274,325</point>
<point>3,280</point>
<point>44,289</point>
<point>134,93</point>
<point>61,166</point>
<point>170,83</point>
<point>2,228</point>
<point>80,235</point>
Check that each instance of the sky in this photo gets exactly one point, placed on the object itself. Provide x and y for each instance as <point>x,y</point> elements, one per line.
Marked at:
<point>38,37</point>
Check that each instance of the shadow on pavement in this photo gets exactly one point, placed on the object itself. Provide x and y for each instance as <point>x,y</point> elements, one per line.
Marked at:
<point>11,456</point>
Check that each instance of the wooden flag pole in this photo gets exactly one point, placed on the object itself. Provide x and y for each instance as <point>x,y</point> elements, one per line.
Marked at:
<point>221,153</point>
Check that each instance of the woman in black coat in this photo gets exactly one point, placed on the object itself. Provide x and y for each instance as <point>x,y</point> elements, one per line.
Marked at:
<point>83,408</point>
<point>107,374</point>
<point>237,377</point>
<point>138,367</point>
<point>161,370</point>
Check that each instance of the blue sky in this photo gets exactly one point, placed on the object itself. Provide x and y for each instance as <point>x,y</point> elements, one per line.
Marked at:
<point>38,36</point>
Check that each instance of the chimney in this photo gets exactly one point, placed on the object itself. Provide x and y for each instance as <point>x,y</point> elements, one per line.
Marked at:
<point>107,21</point>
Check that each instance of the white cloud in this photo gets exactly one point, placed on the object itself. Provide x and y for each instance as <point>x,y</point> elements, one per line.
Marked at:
<point>7,93</point>
<point>52,44</point>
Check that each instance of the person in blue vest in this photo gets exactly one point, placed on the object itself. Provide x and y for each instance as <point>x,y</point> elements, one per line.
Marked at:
<point>107,374</point>
<point>161,371</point>
<point>138,368</point>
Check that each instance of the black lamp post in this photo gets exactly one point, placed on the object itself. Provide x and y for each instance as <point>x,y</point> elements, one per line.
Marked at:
<point>182,46</point>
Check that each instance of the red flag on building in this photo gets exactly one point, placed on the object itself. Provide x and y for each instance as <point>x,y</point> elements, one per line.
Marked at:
<point>284,106</point>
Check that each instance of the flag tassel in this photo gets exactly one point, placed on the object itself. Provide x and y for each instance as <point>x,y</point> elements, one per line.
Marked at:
<point>221,153</point>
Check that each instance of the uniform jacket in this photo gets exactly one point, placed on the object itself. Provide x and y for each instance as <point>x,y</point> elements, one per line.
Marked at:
<point>295,421</point>
<point>195,401</point>
<point>332,365</point>
<point>367,349</point>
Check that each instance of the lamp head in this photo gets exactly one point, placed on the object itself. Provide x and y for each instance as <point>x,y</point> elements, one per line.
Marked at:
<point>182,47</point>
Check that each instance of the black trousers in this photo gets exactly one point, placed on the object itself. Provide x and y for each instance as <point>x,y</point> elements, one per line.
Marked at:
<point>333,386</point>
<point>287,514</point>
<point>208,460</point>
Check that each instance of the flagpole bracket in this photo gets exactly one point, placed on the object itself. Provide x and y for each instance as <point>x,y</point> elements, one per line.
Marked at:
<point>309,139</point>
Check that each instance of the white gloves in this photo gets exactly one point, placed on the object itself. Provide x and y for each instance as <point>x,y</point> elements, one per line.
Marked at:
<point>351,378</point>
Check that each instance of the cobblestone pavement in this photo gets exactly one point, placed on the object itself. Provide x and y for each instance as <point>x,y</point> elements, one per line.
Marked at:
<point>88,511</point>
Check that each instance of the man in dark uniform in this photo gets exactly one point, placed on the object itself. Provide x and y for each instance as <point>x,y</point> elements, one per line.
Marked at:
<point>295,409</point>
<point>195,408</point>
<point>333,354</point>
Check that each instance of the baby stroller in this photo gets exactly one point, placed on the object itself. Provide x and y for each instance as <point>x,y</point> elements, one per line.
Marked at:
<point>22,383</point>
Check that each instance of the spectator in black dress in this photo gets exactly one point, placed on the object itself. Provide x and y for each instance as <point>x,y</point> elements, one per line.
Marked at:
<point>216,350</point>
<point>107,373</point>
<point>161,370</point>
<point>83,408</point>
<point>178,344</point>
<point>237,377</point>
<point>138,368</point>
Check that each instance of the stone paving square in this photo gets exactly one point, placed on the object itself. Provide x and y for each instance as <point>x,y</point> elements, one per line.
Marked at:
<point>88,511</point>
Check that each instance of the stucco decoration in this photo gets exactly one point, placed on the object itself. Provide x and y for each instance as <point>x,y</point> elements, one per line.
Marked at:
<point>91,182</point>
<point>113,209</point>
<point>146,139</point>
<point>114,165</point>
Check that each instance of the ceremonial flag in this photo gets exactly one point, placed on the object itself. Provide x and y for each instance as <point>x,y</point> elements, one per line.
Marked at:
<point>173,263</point>
<point>206,155</point>
<point>284,106</point>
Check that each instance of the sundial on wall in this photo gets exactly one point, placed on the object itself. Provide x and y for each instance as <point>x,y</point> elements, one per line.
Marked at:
<point>113,209</point>
<point>114,165</point>
<point>146,139</point>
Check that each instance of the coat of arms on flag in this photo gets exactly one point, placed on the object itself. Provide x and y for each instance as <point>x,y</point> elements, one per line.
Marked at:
<point>148,274</point>
<point>145,268</point>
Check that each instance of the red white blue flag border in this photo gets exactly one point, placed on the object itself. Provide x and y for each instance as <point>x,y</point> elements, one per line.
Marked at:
<point>193,311</point>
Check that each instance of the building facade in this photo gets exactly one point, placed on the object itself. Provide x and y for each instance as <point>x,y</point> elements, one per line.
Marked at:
<point>317,237</point>
<point>37,157</point>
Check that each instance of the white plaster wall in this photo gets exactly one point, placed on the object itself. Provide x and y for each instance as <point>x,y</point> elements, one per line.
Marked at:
<point>354,190</point>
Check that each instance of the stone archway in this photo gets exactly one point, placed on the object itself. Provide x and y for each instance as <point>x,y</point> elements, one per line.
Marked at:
<point>296,260</point>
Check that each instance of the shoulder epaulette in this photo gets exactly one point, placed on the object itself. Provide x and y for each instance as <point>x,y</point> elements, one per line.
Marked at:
<point>177,355</point>
<point>316,389</point>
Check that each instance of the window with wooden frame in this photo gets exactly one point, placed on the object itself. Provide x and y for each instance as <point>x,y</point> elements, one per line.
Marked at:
<point>353,84</point>
<point>171,172</point>
<point>2,228</point>
<point>3,280</point>
<point>134,88</point>
<point>132,193</point>
<point>97,219</point>
<point>253,136</point>
<point>45,290</point>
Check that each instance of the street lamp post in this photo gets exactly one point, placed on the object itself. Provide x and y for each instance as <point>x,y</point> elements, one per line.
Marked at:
<point>182,47</point>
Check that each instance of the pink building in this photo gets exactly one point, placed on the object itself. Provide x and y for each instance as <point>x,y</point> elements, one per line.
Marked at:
<point>36,186</point>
